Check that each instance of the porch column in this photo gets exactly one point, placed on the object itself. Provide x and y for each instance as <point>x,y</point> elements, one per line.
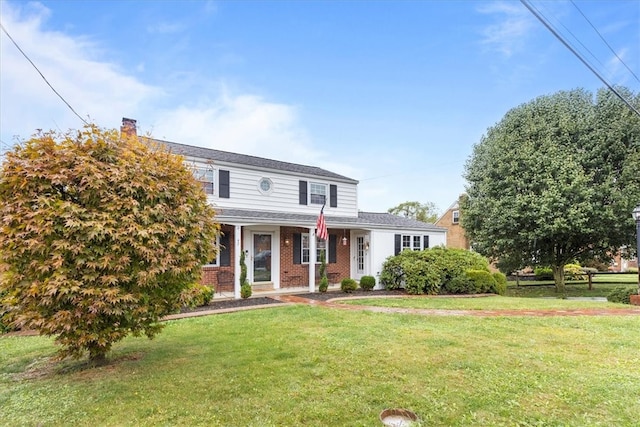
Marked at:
<point>312,259</point>
<point>237,244</point>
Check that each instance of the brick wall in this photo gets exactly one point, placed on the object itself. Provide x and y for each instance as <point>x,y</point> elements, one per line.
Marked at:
<point>293,275</point>
<point>221,278</point>
<point>456,237</point>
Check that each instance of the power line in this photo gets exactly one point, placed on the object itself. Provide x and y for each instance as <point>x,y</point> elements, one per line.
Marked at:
<point>42,75</point>
<point>545,22</point>
<point>605,42</point>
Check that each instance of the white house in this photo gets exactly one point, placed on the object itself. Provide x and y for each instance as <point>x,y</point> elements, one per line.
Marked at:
<point>269,209</point>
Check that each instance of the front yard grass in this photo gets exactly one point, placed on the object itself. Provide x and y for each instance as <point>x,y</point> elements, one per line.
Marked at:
<point>572,289</point>
<point>317,366</point>
<point>481,303</point>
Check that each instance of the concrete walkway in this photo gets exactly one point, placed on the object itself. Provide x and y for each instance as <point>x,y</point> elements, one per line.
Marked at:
<point>294,299</point>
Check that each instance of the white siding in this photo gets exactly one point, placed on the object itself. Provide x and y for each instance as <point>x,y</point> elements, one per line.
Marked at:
<point>383,246</point>
<point>284,196</point>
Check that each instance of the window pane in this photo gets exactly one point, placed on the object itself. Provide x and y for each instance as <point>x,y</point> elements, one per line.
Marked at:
<point>406,242</point>
<point>318,193</point>
<point>205,176</point>
<point>416,243</point>
<point>305,248</point>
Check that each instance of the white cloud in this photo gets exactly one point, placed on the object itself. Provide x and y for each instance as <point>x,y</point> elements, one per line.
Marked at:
<point>513,22</point>
<point>94,88</point>
<point>205,114</point>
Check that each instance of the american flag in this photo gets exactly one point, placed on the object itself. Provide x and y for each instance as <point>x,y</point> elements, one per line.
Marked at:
<point>322,226</point>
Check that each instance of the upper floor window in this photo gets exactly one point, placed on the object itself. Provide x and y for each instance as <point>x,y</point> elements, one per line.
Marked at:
<point>320,245</point>
<point>455,217</point>
<point>205,175</point>
<point>317,193</point>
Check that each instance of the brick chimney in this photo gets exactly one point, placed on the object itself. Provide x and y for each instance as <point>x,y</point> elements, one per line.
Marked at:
<point>128,127</point>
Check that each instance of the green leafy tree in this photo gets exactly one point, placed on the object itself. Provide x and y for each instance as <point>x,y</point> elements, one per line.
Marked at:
<point>425,212</point>
<point>554,182</point>
<point>100,234</point>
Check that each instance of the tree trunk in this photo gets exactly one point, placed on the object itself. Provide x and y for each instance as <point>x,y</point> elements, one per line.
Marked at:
<point>558,278</point>
<point>98,359</point>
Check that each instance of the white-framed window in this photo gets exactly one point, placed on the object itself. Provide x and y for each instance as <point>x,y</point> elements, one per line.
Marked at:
<point>206,176</point>
<point>455,217</point>
<point>317,193</point>
<point>215,262</point>
<point>412,242</point>
<point>320,244</point>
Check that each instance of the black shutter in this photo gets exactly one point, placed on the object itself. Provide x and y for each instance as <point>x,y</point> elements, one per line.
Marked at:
<point>297,248</point>
<point>425,239</point>
<point>333,196</point>
<point>303,192</point>
<point>333,247</point>
<point>225,251</point>
<point>224,184</point>
<point>398,244</point>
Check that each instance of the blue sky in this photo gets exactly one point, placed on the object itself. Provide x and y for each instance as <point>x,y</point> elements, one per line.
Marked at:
<point>392,93</point>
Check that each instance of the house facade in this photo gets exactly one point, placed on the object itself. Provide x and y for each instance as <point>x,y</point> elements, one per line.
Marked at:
<point>269,209</point>
<point>450,220</point>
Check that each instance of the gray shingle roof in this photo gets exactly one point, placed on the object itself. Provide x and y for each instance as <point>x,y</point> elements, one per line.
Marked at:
<point>247,160</point>
<point>364,220</point>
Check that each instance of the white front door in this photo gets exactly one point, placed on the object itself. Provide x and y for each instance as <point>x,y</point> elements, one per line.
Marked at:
<point>361,256</point>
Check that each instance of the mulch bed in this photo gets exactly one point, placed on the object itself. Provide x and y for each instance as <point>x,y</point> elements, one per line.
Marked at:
<point>324,296</point>
<point>233,303</point>
<point>317,296</point>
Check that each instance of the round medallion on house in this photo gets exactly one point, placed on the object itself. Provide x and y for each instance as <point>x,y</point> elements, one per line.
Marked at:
<point>265,186</point>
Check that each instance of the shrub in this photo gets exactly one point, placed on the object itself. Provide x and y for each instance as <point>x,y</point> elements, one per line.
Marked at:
<point>543,273</point>
<point>101,232</point>
<point>348,285</point>
<point>5,324</point>
<point>574,272</point>
<point>501,283</point>
<point>196,295</point>
<point>324,284</point>
<point>367,282</point>
<point>483,280</point>
<point>245,290</point>
<point>459,285</point>
<point>392,275</point>
<point>428,271</point>
<point>621,294</point>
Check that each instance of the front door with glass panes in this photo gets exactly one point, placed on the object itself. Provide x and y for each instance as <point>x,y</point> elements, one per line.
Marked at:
<point>261,257</point>
<point>361,256</point>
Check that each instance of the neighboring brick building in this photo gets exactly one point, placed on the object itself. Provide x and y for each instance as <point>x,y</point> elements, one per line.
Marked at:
<point>456,237</point>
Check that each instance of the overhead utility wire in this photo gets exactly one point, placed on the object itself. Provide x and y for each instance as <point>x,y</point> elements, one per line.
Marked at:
<point>605,42</point>
<point>42,75</point>
<point>568,46</point>
<point>575,37</point>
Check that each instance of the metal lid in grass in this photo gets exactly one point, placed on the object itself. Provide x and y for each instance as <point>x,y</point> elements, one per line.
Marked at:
<point>398,417</point>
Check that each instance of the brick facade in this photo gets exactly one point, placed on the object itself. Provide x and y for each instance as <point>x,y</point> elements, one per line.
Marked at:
<point>295,275</point>
<point>221,279</point>
<point>456,237</point>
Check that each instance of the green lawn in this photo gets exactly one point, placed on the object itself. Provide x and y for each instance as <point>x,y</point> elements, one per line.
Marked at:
<point>316,366</point>
<point>572,289</point>
<point>481,303</point>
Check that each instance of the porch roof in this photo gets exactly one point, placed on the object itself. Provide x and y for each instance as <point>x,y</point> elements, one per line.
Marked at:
<point>364,220</point>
